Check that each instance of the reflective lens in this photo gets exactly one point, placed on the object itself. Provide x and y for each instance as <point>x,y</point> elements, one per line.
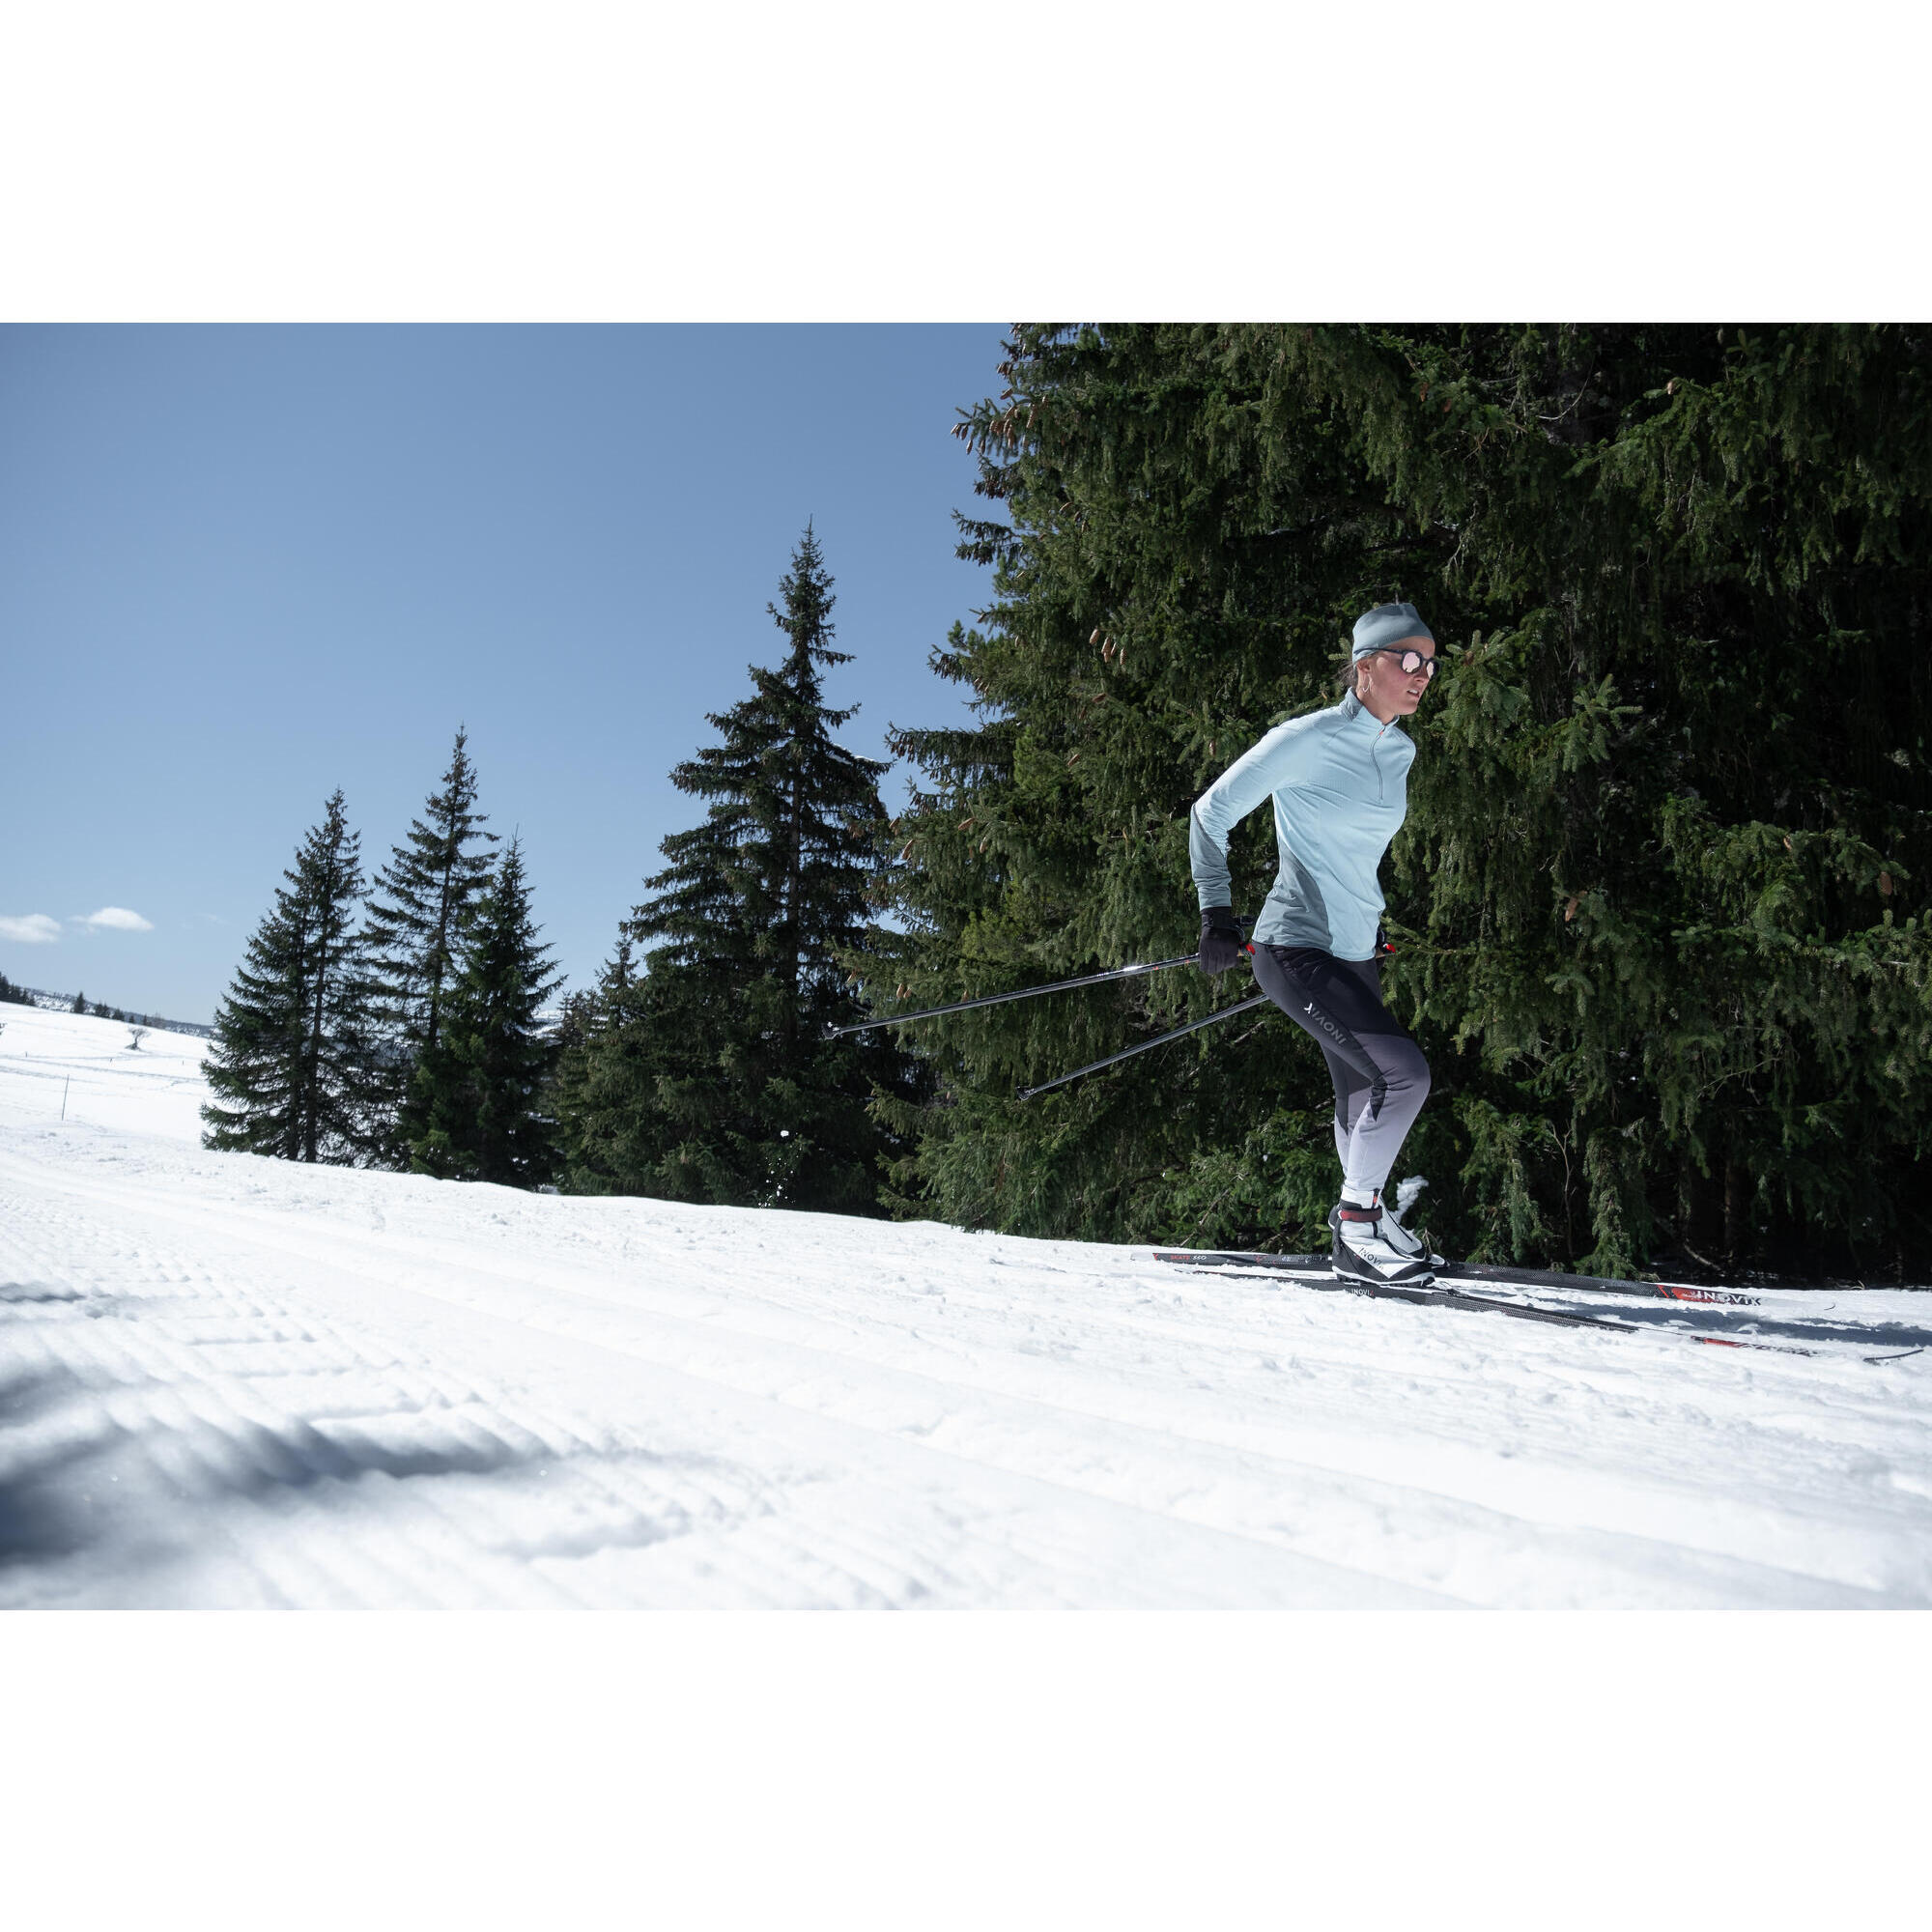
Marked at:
<point>1411,661</point>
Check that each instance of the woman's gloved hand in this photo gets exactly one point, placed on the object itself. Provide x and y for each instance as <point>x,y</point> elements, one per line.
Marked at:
<point>1221,940</point>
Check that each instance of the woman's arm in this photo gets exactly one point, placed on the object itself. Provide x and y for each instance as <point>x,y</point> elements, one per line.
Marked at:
<point>1258,774</point>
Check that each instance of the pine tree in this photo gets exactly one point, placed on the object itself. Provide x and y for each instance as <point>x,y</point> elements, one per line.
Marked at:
<point>479,1088</point>
<point>1671,802</point>
<point>620,971</point>
<point>80,1002</point>
<point>292,1056</point>
<point>581,1014</point>
<point>419,908</point>
<point>710,1078</point>
<point>604,1088</point>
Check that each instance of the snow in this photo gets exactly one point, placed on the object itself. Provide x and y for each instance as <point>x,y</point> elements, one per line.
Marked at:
<point>50,1059</point>
<point>235,1382</point>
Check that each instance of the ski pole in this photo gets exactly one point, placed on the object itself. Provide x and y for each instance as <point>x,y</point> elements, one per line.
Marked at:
<point>1146,1046</point>
<point>1024,993</point>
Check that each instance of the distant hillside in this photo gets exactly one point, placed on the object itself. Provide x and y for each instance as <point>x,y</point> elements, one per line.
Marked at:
<point>64,1002</point>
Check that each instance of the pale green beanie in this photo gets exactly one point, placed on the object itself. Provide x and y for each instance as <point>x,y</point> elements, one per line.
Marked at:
<point>1388,624</point>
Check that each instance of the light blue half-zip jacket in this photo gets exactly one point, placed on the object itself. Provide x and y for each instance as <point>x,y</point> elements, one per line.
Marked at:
<point>1339,781</point>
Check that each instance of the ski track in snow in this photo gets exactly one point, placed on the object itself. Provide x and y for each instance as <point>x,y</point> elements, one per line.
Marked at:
<point>235,1382</point>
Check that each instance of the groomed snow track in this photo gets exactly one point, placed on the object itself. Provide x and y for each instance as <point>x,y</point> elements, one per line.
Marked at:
<point>227,1381</point>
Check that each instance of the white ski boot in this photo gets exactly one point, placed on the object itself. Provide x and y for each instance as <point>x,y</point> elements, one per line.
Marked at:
<point>1364,1252</point>
<point>1406,1243</point>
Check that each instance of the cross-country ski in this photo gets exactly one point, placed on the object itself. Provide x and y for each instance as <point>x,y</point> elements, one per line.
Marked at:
<point>1537,1291</point>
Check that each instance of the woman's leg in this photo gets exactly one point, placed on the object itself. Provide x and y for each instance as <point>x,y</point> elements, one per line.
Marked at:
<point>1380,1075</point>
<point>1352,1096</point>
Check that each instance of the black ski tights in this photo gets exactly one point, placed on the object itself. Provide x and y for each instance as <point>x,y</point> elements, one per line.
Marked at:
<point>1380,1075</point>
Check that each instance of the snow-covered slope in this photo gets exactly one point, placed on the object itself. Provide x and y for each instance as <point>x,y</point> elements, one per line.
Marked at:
<point>94,1069</point>
<point>232,1382</point>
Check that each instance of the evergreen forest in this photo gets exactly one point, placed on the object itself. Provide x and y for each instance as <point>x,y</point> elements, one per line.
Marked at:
<point>409,1023</point>
<point>394,1023</point>
<point>1658,906</point>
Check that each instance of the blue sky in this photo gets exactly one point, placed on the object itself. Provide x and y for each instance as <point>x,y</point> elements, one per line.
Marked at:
<point>242,566</point>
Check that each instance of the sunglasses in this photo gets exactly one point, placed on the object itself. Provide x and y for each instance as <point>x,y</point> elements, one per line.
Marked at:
<point>1411,661</point>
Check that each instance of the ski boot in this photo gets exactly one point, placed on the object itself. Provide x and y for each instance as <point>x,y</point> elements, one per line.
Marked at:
<point>1371,1245</point>
<point>1404,1241</point>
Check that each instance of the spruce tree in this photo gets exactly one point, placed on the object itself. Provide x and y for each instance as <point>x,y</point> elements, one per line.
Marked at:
<point>709,1078</point>
<point>478,1089</point>
<point>420,905</point>
<point>291,1063</point>
<point>582,1015</point>
<point>1655,901</point>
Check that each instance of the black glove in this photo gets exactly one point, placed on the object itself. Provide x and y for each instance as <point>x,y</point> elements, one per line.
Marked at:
<point>1221,942</point>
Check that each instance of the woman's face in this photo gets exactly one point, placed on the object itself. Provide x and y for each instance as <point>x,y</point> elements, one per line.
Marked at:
<point>1385,688</point>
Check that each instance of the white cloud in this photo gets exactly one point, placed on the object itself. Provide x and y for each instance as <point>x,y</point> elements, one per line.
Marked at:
<point>36,929</point>
<point>116,919</point>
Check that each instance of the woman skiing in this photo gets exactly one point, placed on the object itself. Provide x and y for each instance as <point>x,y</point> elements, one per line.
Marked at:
<point>1339,781</point>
